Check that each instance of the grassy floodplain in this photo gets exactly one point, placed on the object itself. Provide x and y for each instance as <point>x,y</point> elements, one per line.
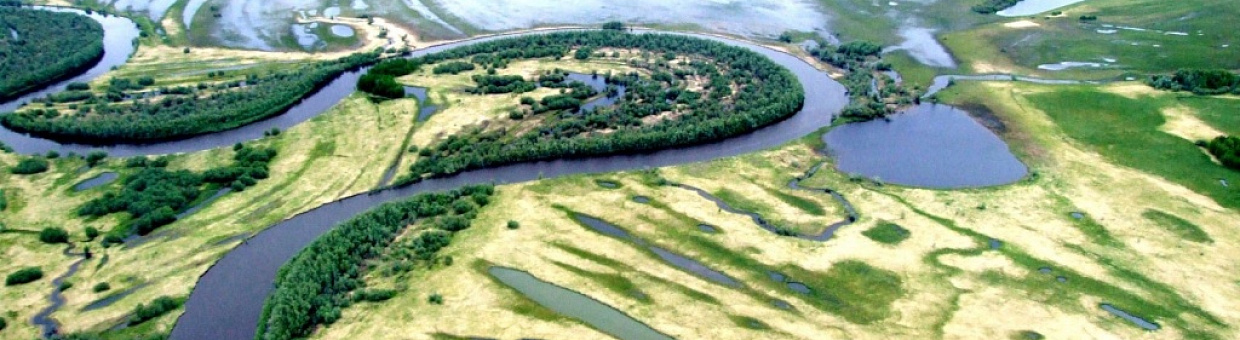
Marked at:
<point>1145,36</point>
<point>981,263</point>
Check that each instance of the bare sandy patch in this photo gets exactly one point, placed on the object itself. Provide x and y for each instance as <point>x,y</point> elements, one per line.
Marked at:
<point>1182,122</point>
<point>1022,24</point>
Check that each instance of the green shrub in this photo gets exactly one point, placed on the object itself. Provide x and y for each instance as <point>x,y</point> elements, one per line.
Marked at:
<point>24,275</point>
<point>887,233</point>
<point>435,299</point>
<point>91,233</point>
<point>30,166</point>
<point>101,287</point>
<point>53,235</point>
<point>513,224</point>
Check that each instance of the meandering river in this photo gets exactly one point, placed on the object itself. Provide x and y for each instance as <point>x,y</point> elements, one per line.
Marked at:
<point>228,298</point>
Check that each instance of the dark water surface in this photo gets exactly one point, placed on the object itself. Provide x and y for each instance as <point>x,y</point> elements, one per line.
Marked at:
<point>936,146</point>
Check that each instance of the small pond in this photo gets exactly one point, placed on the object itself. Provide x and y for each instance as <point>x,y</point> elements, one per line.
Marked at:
<point>343,31</point>
<point>576,305</point>
<point>101,179</point>
<point>936,146</point>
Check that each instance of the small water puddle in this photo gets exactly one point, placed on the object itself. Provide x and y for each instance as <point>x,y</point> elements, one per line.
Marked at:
<point>641,199</point>
<point>709,229</point>
<point>1145,324</point>
<point>101,179</point>
<point>575,305</point>
<point>343,31</point>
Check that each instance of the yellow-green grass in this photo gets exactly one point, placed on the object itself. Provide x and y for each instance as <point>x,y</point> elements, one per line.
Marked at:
<point>953,284</point>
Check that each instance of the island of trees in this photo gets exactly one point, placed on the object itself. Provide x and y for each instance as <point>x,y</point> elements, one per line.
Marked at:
<point>130,110</point>
<point>1202,82</point>
<point>326,276</point>
<point>40,47</point>
<point>697,91</point>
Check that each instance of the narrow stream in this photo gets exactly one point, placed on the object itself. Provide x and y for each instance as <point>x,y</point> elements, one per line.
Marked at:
<point>43,319</point>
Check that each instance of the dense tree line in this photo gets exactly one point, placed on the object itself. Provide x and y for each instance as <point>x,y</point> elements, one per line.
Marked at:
<point>1203,82</point>
<point>176,116</point>
<point>993,6</point>
<point>48,46</point>
<point>746,91</point>
<point>313,286</point>
<point>1227,150</point>
<point>154,195</point>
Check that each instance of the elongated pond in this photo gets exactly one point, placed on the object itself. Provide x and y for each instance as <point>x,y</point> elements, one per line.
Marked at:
<point>576,305</point>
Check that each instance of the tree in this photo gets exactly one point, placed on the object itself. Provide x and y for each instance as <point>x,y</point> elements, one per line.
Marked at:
<point>614,26</point>
<point>101,287</point>
<point>513,224</point>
